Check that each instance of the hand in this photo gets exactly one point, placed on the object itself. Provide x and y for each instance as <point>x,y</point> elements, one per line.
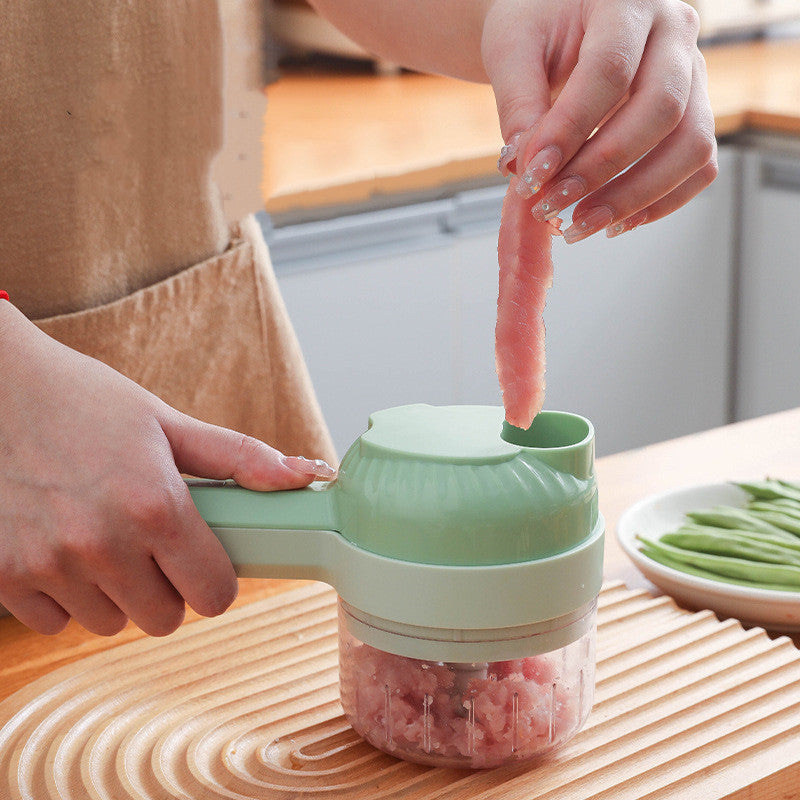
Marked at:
<point>96,522</point>
<point>631,70</point>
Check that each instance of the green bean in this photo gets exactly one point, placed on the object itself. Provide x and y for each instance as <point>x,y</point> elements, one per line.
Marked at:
<point>711,576</point>
<point>733,517</point>
<point>726,543</point>
<point>777,536</point>
<point>784,521</point>
<point>757,545</point>
<point>782,506</point>
<point>784,539</point>
<point>772,490</point>
<point>756,571</point>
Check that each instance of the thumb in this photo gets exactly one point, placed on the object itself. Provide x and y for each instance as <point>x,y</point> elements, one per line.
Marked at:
<point>210,451</point>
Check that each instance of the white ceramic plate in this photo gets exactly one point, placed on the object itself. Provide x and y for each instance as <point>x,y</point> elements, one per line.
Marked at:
<point>774,610</point>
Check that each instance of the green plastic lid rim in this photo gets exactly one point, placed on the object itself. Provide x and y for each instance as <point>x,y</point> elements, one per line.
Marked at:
<point>524,437</point>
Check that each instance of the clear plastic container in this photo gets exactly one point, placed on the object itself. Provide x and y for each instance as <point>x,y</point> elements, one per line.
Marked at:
<point>472,715</point>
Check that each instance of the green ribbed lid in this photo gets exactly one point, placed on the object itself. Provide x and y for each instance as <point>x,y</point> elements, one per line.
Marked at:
<point>457,485</point>
<point>451,485</point>
<point>444,519</point>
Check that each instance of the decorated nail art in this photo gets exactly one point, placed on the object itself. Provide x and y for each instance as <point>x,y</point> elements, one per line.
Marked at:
<point>542,166</point>
<point>563,194</point>
<point>523,189</point>
<point>508,152</point>
<point>539,170</point>
<point>634,221</point>
<point>316,467</point>
<point>615,230</point>
<point>588,223</point>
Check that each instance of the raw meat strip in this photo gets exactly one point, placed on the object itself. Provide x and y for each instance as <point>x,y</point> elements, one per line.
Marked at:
<point>526,273</point>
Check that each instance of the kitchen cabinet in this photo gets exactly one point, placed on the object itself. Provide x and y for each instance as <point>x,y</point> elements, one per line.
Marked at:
<point>398,306</point>
<point>724,17</point>
<point>768,340</point>
<point>368,296</point>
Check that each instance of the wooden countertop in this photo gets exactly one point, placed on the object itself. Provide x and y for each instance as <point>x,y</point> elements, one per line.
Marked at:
<point>335,140</point>
<point>747,450</point>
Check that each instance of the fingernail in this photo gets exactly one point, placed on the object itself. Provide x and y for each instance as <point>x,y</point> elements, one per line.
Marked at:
<point>564,194</point>
<point>305,466</point>
<point>522,188</point>
<point>508,152</point>
<point>634,221</point>
<point>588,223</point>
<point>615,230</point>
<point>541,167</point>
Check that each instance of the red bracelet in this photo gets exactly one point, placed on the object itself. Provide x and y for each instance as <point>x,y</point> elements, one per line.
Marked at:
<point>4,295</point>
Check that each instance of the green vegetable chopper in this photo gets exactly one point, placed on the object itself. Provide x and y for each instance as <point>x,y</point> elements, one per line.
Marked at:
<point>467,555</point>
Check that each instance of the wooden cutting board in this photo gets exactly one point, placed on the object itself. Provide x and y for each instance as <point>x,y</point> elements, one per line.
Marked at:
<point>246,706</point>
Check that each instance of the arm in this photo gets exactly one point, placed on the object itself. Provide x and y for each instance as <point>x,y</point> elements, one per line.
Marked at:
<point>560,71</point>
<point>441,36</point>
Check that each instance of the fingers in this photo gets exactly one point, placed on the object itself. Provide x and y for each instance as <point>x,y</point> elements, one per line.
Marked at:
<point>87,570</point>
<point>669,203</point>
<point>609,58</point>
<point>688,154</point>
<point>89,606</point>
<point>131,544</point>
<point>98,564</point>
<point>655,108</point>
<point>177,553</point>
<point>43,586</point>
<point>635,99</point>
<point>207,580</point>
<point>144,594</point>
<point>209,451</point>
<point>38,611</point>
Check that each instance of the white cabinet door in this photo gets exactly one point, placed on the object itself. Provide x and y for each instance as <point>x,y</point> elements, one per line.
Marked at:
<point>375,329</point>
<point>638,327</point>
<point>768,375</point>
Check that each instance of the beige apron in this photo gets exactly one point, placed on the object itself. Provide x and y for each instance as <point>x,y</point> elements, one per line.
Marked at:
<point>213,341</point>
<point>119,187</point>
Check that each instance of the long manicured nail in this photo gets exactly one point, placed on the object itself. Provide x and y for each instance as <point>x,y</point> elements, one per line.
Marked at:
<point>564,194</point>
<point>539,169</point>
<point>625,225</point>
<point>588,223</point>
<point>508,152</point>
<point>305,466</point>
<point>615,230</point>
<point>522,189</point>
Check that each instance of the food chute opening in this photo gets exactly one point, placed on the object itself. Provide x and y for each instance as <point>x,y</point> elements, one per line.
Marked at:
<point>550,429</point>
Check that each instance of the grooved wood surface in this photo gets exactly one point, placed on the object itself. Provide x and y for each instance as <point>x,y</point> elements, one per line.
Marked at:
<point>246,706</point>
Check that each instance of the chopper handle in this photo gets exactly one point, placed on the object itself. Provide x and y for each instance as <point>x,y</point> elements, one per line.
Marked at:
<point>281,534</point>
<point>406,592</point>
